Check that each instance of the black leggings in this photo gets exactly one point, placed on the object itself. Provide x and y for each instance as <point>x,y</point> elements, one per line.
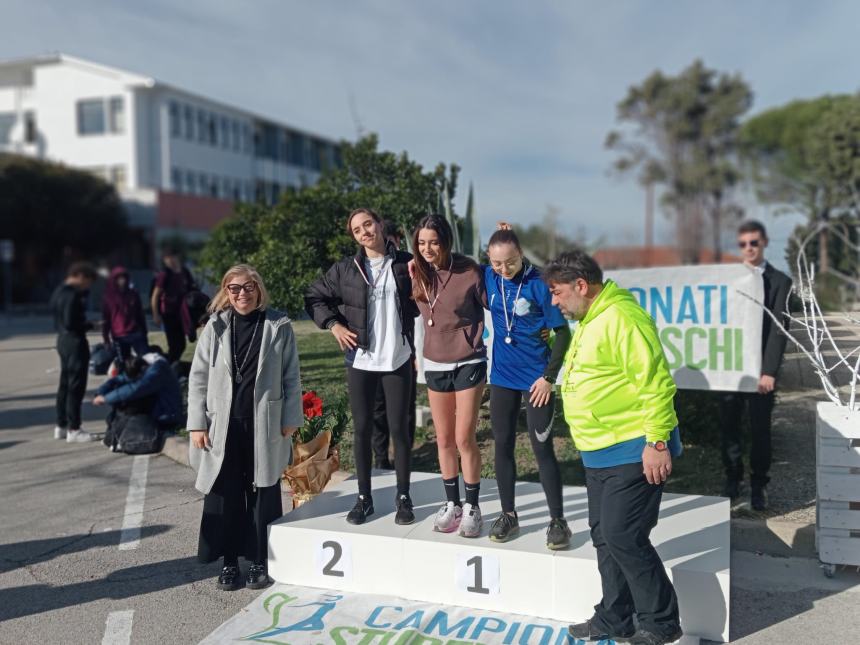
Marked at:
<point>397,387</point>
<point>504,410</point>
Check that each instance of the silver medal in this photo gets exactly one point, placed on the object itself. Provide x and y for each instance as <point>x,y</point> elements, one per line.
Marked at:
<point>238,378</point>
<point>508,340</point>
<point>430,323</point>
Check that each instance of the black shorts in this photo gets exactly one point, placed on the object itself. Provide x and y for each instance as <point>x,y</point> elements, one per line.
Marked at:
<point>461,378</point>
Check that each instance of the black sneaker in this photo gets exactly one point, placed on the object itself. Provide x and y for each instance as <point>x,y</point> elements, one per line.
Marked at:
<point>558,534</point>
<point>645,637</point>
<point>404,510</point>
<point>257,577</point>
<point>506,527</point>
<point>758,498</point>
<point>360,512</point>
<point>732,489</point>
<point>588,632</point>
<point>229,578</point>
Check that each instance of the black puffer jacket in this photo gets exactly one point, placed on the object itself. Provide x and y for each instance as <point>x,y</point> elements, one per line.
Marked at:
<point>341,296</point>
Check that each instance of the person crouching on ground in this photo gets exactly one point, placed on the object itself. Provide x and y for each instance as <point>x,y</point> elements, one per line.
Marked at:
<point>244,404</point>
<point>157,382</point>
<point>617,395</point>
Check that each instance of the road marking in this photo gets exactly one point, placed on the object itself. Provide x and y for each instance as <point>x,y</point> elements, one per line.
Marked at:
<point>118,628</point>
<point>132,519</point>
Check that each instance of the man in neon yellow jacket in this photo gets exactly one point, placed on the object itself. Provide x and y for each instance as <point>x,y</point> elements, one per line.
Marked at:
<point>618,395</point>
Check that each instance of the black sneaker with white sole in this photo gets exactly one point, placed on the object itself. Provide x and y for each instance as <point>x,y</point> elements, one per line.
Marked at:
<point>404,515</point>
<point>506,527</point>
<point>558,534</point>
<point>361,511</point>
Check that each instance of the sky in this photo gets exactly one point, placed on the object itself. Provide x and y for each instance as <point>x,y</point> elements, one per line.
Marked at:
<point>520,94</point>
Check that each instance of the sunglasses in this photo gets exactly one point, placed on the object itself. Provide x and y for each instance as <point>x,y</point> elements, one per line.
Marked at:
<point>753,243</point>
<point>248,287</point>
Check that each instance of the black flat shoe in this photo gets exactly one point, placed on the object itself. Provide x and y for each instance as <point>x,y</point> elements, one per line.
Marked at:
<point>229,578</point>
<point>758,498</point>
<point>589,633</point>
<point>361,511</point>
<point>404,510</point>
<point>258,577</point>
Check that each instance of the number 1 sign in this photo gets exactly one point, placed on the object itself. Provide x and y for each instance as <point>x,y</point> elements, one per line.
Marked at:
<point>478,574</point>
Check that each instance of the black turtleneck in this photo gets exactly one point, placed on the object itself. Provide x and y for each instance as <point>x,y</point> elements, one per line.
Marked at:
<point>242,330</point>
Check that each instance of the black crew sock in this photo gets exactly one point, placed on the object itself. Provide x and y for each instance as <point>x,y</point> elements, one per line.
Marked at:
<point>472,492</point>
<point>452,490</point>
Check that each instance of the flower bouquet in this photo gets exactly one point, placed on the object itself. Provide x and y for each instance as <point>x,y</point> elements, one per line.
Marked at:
<point>315,452</point>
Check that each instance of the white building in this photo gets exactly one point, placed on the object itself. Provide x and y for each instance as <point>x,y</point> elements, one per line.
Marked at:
<point>153,141</point>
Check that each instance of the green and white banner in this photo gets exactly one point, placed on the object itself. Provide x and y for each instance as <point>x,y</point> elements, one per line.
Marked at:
<point>711,334</point>
<point>291,615</point>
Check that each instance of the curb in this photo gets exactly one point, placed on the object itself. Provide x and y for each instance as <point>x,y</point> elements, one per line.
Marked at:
<point>773,537</point>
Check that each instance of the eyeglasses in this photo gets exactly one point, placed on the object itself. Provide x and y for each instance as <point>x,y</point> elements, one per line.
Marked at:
<point>248,287</point>
<point>753,243</point>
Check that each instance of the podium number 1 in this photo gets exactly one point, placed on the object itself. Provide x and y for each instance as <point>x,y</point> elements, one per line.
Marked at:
<point>334,559</point>
<point>479,587</point>
<point>478,574</point>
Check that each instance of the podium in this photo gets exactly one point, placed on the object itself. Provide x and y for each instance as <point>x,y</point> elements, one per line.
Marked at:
<point>314,546</point>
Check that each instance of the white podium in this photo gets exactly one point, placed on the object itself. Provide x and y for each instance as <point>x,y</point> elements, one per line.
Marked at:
<point>314,546</point>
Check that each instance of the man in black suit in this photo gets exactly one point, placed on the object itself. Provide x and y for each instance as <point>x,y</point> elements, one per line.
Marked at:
<point>752,241</point>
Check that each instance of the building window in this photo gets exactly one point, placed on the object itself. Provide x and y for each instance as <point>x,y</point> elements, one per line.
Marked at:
<point>175,121</point>
<point>190,183</point>
<point>225,132</point>
<point>203,184</point>
<point>202,131</point>
<point>7,122</point>
<point>297,149</point>
<point>246,138</point>
<point>91,117</point>
<point>189,122</point>
<point>176,180</point>
<point>237,191</point>
<point>212,125</point>
<point>236,137</point>
<point>116,107</point>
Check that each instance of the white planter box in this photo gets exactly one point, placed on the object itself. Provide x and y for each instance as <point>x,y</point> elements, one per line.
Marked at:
<point>837,461</point>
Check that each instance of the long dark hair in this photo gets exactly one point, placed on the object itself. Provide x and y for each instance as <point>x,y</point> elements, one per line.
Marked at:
<point>423,271</point>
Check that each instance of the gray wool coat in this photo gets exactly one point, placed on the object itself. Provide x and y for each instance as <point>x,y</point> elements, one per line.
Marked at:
<point>277,398</point>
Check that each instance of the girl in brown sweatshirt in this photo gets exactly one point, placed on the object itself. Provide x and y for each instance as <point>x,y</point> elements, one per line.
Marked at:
<point>449,291</point>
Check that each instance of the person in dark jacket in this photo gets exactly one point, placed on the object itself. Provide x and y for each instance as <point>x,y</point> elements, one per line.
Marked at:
<point>68,304</point>
<point>752,241</point>
<point>123,320</point>
<point>365,301</point>
<point>381,434</point>
<point>169,309</point>
<point>157,382</point>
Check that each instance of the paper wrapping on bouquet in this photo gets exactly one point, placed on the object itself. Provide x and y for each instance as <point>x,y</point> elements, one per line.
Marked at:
<point>312,467</point>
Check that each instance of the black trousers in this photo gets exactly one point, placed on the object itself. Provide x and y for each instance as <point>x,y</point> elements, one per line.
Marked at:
<point>760,412</point>
<point>235,515</point>
<point>172,323</point>
<point>397,387</point>
<point>504,411</point>
<point>74,354</point>
<point>622,510</point>
<point>381,433</point>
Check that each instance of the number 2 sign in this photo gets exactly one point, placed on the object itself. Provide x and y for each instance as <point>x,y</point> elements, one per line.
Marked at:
<point>334,559</point>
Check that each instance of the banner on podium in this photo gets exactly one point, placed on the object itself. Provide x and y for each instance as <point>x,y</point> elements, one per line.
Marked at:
<point>291,615</point>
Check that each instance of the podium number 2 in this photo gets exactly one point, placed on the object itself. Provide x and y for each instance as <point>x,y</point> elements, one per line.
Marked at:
<point>478,587</point>
<point>334,559</point>
<point>337,554</point>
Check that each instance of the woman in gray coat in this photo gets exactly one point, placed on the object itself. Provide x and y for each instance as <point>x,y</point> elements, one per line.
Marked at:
<point>244,404</point>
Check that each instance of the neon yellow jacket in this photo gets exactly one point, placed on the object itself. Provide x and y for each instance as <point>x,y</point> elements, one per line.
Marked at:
<point>617,384</point>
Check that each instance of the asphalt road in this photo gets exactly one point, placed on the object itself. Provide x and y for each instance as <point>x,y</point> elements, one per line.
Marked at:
<point>63,573</point>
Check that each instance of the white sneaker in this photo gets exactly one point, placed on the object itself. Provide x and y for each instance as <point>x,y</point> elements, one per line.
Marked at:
<point>59,432</point>
<point>472,522</point>
<point>79,436</point>
<point>448,518</point>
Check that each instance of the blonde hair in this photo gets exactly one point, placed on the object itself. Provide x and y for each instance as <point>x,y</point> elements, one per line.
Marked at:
<point>221,301</point>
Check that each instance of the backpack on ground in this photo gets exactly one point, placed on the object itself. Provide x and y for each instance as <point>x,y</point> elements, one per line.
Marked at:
<point>133,434</point>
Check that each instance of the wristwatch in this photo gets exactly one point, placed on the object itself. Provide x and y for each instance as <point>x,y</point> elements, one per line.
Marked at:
<point>549,379</point>
<point>656,445</point>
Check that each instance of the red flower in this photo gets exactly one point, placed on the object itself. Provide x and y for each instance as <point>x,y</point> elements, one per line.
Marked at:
<point>311,404</point>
